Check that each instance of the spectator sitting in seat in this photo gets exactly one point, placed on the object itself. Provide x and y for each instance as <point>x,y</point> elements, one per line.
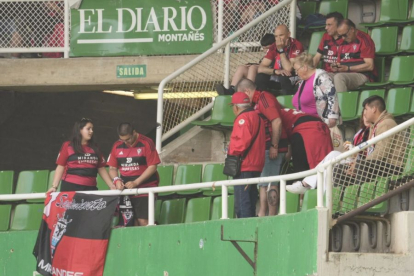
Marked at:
<point>287,48</point>
<point>328,47</point>
<point>316,94</point>
<point>248,141</point>
<point>384,158</point>
<point>249,70</point>
<point>355,63</point>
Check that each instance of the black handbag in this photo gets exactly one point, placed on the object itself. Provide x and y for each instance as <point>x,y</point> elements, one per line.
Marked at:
<point>232,164</point>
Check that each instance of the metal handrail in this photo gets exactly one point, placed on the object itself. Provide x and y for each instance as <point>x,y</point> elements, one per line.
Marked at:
<point>226,183</point>
<point>203,56</point>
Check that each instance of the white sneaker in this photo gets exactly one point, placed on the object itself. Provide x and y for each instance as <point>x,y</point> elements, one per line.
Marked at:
<point>297,188</point>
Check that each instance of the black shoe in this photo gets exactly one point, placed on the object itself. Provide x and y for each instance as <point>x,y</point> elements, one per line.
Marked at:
<point>221,90</point>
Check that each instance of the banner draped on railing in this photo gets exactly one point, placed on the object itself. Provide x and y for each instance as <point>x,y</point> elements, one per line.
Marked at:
<point>74,233</point>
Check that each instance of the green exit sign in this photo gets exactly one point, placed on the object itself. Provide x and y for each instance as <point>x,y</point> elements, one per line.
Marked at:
<point>131,71</point>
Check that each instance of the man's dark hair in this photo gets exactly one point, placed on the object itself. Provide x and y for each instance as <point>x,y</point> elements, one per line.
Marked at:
<point>336,15</point>
<point>376,101</point>
<point>347,22</point>
<point>125,129</point>
<point>267,39</point>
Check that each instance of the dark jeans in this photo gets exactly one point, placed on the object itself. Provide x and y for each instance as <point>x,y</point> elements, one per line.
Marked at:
<point>245,198</point>
<point>69,187</point>
<point>283,84</point>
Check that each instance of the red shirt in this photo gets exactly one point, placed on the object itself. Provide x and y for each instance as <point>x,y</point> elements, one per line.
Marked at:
<point>293,49</point>
<point>329,48</point>
<point>133,161</point>
<point>246,126</point>
<point>269,109</point>
<point>82,168</point>
<point>354,53</point>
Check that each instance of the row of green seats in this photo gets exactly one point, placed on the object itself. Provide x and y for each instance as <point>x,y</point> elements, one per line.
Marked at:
<point>393,12</point>
<point>222,115</point>
<point>324,7</point>
<point>25,217</point>
<point>180,210</point>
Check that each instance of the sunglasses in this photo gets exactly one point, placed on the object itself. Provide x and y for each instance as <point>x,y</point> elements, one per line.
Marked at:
<point>86,120</point>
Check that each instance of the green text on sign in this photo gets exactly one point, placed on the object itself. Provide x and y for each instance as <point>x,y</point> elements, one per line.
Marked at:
<point>131,71</point>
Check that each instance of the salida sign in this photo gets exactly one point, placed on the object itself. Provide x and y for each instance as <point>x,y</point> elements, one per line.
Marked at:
<point>131,27</point>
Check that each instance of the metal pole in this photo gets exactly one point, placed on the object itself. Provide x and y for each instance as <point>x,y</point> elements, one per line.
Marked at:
<point>292,19</point>
<point>227,66</point>
<point>66,19</point>
<point>282,207</point>
<point>220,21</point>
<point>151,208</point>
<point>160,103</point>
<point>328,193</point>
<point>224,202</point>
<point>320,188</point>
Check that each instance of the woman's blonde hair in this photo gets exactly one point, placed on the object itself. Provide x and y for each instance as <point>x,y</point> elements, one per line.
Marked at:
<point>304,59</point>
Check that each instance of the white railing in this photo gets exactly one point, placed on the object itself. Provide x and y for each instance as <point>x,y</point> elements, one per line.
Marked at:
<point>215,66</point>
<point>39,26</point>
<point>319,171</point>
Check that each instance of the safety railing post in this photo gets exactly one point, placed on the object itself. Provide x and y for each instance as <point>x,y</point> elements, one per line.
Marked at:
<point>151,208</point>
<point>224,202</point>
<point>282,209</point>
<point>220,21</point>
<point>292,19</point>
<point>66,28</point>
<point>320,187</point>
<point>328,185</point>
<point>227,66</point>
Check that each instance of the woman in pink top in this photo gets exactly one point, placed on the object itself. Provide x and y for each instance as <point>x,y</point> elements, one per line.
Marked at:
<point>316,94</point>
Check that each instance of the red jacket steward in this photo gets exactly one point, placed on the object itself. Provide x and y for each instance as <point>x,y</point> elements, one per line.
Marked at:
<point>245,127</point>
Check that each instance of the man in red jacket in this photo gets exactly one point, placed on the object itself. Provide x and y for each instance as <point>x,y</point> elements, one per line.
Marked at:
<point>247,140</point>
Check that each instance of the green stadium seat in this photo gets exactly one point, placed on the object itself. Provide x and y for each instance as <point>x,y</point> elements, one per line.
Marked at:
<point>309,200</point>
<point>198,209</point>
<point>214,172</point>
<point>336,197</point>
<point>285,101</point>
<point>166,174</point>
<point>188,174</point>
<point>308,7</point>
<point>172,211</point>
<point>398,100</point>
<point>391,11</point>
<point>315,40</point>
<point>217,203</point>
<point>350,198</point>
<point>292,203</point>
<point>6,182</point>
<point>407,39</point>
<point>385,39</point>
<point>409,163</point>
<point>32,182</point>
<point>380,189</point>
<point>379,63</point>
<point>221,113</point>
<point>5,211</point>
<point>27,217</point>
<point>368,93</point>
<point>100,184</point>
<point>366,194</point>
<point>328,6</point>
<point>158,204</point>
<point>401,72</point>
<point>348,103</point>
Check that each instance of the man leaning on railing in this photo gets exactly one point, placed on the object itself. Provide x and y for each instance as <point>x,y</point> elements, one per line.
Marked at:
<point>383,158</point>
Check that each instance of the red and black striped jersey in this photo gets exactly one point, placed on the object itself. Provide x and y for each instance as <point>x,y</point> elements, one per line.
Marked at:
<point>292,50</point>
<point>80,169</point>
<point>328,48</point>
<point>355,52</point>
<point>134,160</point>
<point>269,109</point>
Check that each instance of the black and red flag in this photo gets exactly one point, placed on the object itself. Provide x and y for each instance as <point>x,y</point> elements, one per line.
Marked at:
<point>73,236</point>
